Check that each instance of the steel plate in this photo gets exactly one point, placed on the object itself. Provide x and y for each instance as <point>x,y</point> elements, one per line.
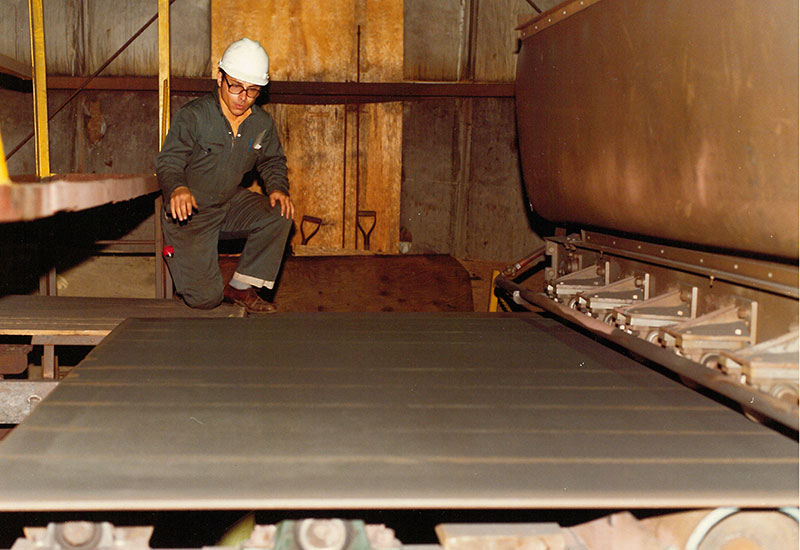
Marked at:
<point>385,411</point>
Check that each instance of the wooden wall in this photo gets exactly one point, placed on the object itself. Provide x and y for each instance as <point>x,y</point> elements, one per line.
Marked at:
<point>342,158</point>
<point>463,40</point>
<point>316,40</point>
<point>451,164</point>
<point>462,189</point>
<point>80,35</point>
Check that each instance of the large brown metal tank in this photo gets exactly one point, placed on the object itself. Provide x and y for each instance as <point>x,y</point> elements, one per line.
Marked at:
<point>674,119</point>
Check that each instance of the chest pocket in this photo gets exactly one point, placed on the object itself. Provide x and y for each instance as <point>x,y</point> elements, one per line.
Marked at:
<point>206,155</point>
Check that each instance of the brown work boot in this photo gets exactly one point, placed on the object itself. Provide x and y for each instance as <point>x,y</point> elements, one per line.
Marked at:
<point>249,298</point>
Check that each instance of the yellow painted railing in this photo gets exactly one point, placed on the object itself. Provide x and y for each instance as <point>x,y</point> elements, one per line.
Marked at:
<point>36,18</point>
<point>4,179</point>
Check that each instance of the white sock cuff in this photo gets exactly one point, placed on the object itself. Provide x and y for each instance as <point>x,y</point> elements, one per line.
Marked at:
<point>252,281</point>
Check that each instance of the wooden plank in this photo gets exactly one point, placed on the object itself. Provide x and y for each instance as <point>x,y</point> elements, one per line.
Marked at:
<point>380,174</point>
<point>73,316</point>
<point>332,174</point>
<point>69,192</point>
<point>312,141</point>
<point>371,283</point>
<point>382,23</point>
<point>496,40</point>
<point>312,40</point>
<point>315,39</point>
<point>13,67</point>
<point>436,57</point>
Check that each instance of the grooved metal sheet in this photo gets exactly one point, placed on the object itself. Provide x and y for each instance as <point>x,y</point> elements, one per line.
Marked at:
<point>341,411</point>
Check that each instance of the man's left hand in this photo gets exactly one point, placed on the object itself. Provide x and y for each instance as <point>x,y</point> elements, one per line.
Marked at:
<point>287,207</point>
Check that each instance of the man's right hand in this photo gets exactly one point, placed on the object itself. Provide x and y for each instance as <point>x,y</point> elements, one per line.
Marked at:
<point>181,203</point>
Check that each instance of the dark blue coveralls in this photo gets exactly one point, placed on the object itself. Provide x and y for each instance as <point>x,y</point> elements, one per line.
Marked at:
<point>201,152</point>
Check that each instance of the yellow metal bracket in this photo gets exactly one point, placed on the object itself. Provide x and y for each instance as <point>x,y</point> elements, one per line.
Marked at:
<point>36,18</point>
<point>4,179</point>
<point>163,69</point>
<point>163,279</point>
<point>492,295</point>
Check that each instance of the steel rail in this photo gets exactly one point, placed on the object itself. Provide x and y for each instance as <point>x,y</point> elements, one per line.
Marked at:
<point>750,400</point>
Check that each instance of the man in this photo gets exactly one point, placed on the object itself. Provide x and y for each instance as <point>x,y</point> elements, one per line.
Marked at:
<point>213,142</point>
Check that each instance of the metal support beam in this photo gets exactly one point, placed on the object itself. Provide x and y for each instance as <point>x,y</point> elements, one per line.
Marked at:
<point>69,192</point>
<point>163,279</point>
<point>4,179</point>
<point>42,135</point>
<point>163,69</point>
<point>36,18</point>
<point>282,91</point>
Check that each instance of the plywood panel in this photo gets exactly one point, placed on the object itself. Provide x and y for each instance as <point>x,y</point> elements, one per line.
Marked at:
<point>496,211</point>
<point>309,40</point>
<point>81,35</point>
<point>315,39</point>
<point>429,161</point>
<point>374,162</point>
<point>433,44</point>
<point>312,141</point>
<point>380,161</point>
<point>381,40</point>
<point>336,166</point>
<point>496,39</point>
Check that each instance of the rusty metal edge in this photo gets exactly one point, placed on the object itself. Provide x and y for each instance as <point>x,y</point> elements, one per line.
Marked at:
<point>410,89</point>
<point>70,192</point>
<point>554,15</point>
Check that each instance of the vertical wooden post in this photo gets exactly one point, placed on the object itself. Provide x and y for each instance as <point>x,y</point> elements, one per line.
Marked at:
<point>163,279</point>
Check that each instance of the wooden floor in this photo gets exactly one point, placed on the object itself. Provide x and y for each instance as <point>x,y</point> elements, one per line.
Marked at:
<point>64,315</point>
<point>374,282</point>
<point>381,411</point>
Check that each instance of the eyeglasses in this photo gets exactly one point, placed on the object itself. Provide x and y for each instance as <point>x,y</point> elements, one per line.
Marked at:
<point>236,89</point>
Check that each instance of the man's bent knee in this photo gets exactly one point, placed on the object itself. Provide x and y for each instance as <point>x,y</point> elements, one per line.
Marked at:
<point>202,300</point>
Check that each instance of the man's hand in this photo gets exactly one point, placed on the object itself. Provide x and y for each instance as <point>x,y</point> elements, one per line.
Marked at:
<point>181,203</point>
<point>287,206</point>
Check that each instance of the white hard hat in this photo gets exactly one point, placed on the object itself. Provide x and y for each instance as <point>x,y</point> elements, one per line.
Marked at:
<point>247,61</point>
